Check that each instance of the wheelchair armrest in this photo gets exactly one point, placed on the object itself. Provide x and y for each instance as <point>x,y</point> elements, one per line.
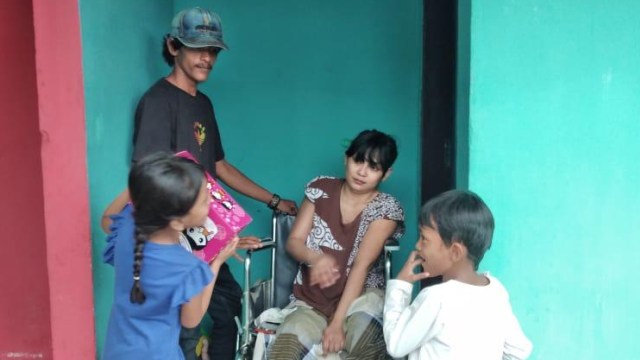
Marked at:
<point>267,244</point>
<point>391,245</point>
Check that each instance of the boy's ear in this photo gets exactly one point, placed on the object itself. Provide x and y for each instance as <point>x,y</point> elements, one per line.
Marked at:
<point>458,251</point>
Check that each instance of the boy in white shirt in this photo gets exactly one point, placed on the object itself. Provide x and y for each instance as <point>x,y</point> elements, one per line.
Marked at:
<point>468,315</point>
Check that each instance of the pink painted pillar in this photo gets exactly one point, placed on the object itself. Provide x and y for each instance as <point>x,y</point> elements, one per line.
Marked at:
<point>64,171</point>
<point>25,327</point>
<point>46,304</point>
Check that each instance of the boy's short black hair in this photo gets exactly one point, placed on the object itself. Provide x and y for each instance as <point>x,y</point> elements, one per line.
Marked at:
<point>166,55</point>
<point>461,216</point>
<point>374,147</point>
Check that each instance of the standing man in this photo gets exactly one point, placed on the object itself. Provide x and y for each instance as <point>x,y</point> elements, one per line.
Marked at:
<point>174,116</point>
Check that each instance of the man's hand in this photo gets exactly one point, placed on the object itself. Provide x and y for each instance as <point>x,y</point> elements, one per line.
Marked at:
<point>407,274</point>
<point>249,243</point>
<point>288,207</point>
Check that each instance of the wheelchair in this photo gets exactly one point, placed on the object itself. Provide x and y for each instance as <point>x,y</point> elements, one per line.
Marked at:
<point>276,291</point>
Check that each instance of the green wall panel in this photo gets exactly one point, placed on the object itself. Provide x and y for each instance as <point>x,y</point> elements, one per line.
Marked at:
<point>301,78</point>
<point>121,58</point>
<point>553,144</point>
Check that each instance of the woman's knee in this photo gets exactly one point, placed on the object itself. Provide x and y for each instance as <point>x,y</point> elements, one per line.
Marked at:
<point>358,322</point>
<point>364,335</point>
<point>304,324</point>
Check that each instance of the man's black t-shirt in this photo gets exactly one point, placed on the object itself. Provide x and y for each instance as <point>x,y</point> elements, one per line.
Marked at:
<point>169,119</point>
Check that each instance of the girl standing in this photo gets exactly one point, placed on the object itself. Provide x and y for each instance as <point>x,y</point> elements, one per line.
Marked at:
<point>158,285</point>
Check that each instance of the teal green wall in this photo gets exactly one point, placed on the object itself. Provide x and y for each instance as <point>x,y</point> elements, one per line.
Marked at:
<point>120,45</point>
<point>554,128</point>
<point>300,79</point>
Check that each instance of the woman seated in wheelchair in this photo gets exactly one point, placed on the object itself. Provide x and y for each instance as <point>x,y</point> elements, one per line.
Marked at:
<point>338,237</point>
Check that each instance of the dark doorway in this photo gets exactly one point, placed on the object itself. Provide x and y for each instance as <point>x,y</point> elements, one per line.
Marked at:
<point>438,97</point>
<point>440,58</point>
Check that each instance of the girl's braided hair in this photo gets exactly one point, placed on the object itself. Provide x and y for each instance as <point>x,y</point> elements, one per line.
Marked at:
<point>162,187</point>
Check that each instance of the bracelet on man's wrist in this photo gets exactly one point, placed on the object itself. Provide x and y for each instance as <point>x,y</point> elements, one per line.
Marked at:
<point>273,203</point>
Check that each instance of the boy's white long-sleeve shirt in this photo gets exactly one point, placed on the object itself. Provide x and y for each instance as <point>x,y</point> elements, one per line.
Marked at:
<point>452,320</point>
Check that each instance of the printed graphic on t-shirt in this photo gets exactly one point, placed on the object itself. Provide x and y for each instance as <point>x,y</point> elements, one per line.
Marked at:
<point>200,133</point>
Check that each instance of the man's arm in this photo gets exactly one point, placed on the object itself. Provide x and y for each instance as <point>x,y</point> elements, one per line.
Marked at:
<point>238,181</point>
<point>115,207</point>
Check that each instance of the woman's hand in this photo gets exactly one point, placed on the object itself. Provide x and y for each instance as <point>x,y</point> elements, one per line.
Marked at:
<point>333,338</point>
<point>324,271</point>
<point>407,274</point>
